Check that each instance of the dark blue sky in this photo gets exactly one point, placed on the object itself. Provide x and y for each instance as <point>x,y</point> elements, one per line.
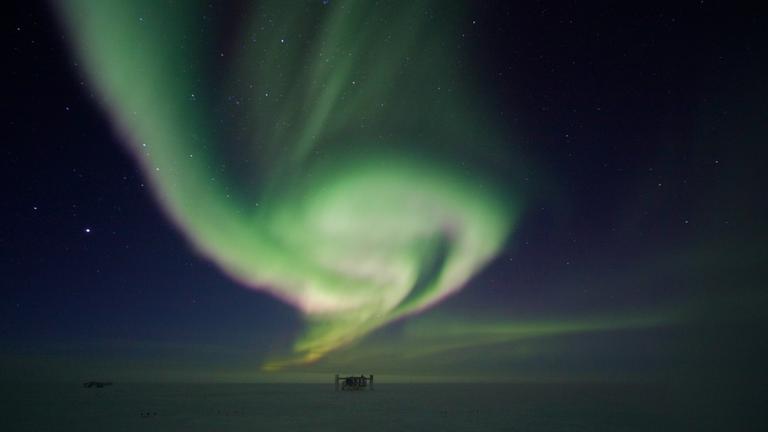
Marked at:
<point>645,125</point>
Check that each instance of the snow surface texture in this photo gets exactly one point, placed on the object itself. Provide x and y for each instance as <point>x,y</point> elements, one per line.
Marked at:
<point>312,407</point>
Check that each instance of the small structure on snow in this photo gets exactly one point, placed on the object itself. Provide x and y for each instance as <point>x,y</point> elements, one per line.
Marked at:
<point>96,384</point>
<point>354,382</point>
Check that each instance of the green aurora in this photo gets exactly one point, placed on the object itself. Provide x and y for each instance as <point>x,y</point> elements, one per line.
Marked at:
<point>333,154</point>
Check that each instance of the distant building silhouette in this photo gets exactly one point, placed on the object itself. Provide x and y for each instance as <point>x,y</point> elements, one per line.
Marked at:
<point>96,384</point>
<point>354,382</point>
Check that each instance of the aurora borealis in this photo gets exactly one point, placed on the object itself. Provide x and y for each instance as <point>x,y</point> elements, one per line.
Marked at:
<point>543,193</point>
<point>331,154</point>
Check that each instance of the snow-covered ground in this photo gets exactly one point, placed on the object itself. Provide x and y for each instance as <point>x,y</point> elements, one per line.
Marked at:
<point>299,407</point>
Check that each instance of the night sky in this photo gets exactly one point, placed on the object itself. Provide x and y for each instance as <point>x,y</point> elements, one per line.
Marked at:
<point>226,191</point>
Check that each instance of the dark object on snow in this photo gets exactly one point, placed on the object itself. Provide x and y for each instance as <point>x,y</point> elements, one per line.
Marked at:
<point>96,384</point>
<point>354,382</point>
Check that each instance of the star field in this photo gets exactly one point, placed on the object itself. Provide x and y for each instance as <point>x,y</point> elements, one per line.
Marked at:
<point>232,191</point>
